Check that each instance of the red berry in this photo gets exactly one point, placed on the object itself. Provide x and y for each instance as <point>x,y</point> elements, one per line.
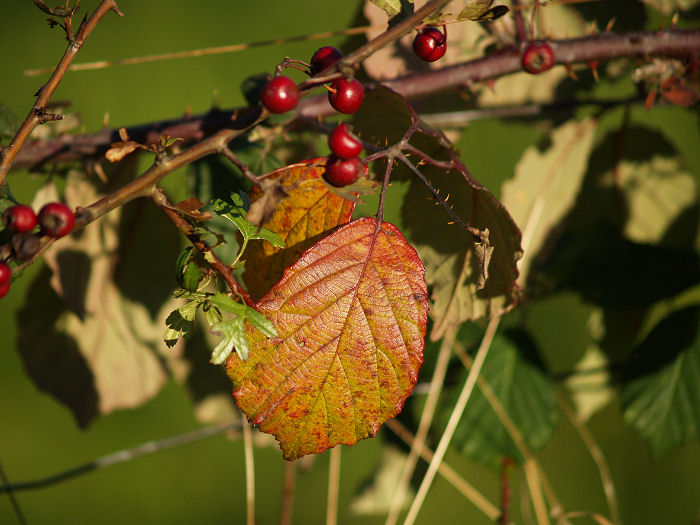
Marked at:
<point>5,273</point>
<point>56,219</point>
<point>19,218</point>
<point>280,95</point>
<point>4,288</point>
<point>346,95</point>
<point>430,44</point>
<point>341,172</point>
<point>343,143</point>
<point>537,57</point>
<point>323,58</point>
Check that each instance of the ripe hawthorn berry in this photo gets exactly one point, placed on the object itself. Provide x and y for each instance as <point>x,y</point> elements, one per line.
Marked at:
<point>5,273</point>
<point>19,218</point>
<point>430,44</point>
<point>343,143</point>
<point>341,172</point>
<point>537,57</point>
<point>346,95</point>
<point>324,57</point>
<point>280,95</point>
<point>56,219</point>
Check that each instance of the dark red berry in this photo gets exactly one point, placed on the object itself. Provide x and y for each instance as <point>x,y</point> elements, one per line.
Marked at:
<point>537,57</point>
<point>346,95</point>
<point>5,273</point>
<point>4,288</point>
<point>280,95</point>
<point>343,143</point>
<point>341,172</point>
<point>430,44</point>
<point>323,58</point>
<point>19,218</point>
<point>56,219</point>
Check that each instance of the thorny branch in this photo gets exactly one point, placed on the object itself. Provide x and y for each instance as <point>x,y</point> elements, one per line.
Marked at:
<point>37,114</point>
<point>601,47</point>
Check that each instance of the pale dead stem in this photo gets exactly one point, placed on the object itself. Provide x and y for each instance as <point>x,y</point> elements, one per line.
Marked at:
<point>462,485</point>
<point>455,416</point>
<point>599,458</point>
<point>249,470</point>
<point>288,489</point>
<point>333,486</point>
<point>426,420</point>
<point>519,441</point>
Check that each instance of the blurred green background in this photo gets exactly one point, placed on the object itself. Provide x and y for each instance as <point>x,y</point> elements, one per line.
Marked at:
<point>204,482</point>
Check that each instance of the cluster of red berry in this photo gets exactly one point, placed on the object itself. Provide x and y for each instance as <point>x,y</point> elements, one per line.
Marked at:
<point>55,219</point>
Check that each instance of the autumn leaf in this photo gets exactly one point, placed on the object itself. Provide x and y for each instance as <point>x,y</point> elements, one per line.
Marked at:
<point>309,211</point>
<point>351,318</point>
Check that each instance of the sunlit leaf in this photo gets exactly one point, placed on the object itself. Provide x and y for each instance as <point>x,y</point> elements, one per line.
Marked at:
<point>309,210</point>
<point>661,392</point>
<point>546,184</point>
<point>351,316</point>
<point>180,322</point>
<point>235,212</point>
<point>234,337</point>
<point>482,10</point>
<point>669,6</point>
<point>391,7</point>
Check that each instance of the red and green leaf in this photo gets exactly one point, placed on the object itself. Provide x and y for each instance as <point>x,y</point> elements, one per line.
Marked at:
<point>351,318</point>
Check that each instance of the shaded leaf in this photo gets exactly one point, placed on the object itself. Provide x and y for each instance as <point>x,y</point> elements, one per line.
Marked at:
<point>661,391</point>
<point>457,263</point>
<point>308,211</point>
<point>516,376</point>
<point>546,184</point>
<point>351,316</point>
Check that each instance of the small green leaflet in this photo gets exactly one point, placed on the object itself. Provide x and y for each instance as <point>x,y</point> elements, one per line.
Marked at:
<point>234,331</point>
<point>235,212</point>
<point>180,321</point>
<point>482,10</point>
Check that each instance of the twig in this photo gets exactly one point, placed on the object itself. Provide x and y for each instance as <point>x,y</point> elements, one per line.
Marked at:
<point>426,419</point>
<point>521,32</point>
<point>13,501</point>
<point>456,415</point>
<point>249,471</point>
<point>599,458</point>
<point>38,111</point>
<point>126,455</point>
<point>230,155</point>
<point>333,486</point>
<point>288,489</point>
<point>506,465</point>
<point>222,269</point>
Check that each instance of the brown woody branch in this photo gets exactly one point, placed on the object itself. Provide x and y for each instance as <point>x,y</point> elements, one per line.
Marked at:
<point>600,47</point>
<point>37,115</point>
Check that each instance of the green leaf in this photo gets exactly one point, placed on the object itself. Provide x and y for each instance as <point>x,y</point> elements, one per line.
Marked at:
<point>482,10</point>
<point>392,7</point>
<point>235,212</point>
<point>516,376</point>
<point>180,322</point>
<point>661,391</point>
<point>212,313</point>
<point>233,333</point>
<point>260,322</point>
<point>228,304</point>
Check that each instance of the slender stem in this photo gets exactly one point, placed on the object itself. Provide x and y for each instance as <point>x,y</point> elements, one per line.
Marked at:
<point>520,30</point>
<point>462,485</point>
<point>38,112</point>
<point>222,269</point>
<point>426,420</point>
<point>122,456</point>
<point>288,493</point>
<point>536,497</point>
<point>599,458</point>
<point>333,487</point>
<point>456,415</point>
<point>249,471</point>
<point>13,500</point>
